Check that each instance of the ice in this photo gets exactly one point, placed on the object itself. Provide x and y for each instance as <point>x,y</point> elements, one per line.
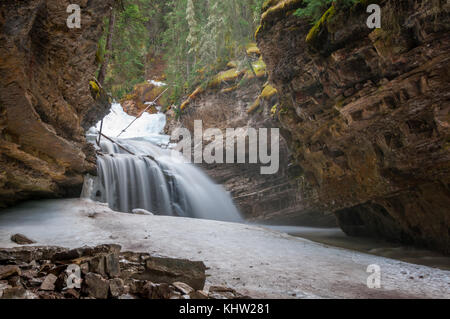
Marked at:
<point>255,261</point>
<point>148,127</point>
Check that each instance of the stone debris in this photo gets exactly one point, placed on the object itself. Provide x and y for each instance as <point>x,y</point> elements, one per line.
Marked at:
<point>22,239</point>
<point>101,272</point>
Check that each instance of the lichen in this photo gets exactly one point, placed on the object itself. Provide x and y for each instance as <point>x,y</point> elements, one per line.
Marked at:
<point>230,89</point>
<point>259,67</point>
<point>268,92</point>
<point>252,49</point>
<point>274,109</point>
<point>225,76</point>
<point>254,106</point>
<point>95,89</point>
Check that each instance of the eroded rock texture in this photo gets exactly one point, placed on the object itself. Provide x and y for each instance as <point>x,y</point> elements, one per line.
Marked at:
<point>45,97</point>
<point>263,198</point>
<point>366,114</point>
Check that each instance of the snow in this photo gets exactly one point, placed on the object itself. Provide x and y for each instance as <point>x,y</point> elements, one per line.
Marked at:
<point>254,260</point>
<point>148,126</point>
<point>157,83</point>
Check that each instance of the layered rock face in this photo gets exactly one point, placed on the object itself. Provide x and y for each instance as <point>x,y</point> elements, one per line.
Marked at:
<point>46,100</point>
<point>263,198</point>
<point>366,114</point>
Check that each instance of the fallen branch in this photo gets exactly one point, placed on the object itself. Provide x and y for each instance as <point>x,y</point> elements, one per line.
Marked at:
<point>152,103</point>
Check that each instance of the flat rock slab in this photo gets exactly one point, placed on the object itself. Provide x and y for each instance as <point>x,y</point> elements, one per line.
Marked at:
<point>252,260</point>
<point>8,271</point>
<point>169,270</point>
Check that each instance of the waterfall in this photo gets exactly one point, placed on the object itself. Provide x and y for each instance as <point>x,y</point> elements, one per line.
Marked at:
<point>157,180</point>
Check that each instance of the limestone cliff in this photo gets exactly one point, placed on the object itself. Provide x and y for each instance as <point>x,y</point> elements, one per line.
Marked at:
<point>366,114</point>
<point>46,100</point>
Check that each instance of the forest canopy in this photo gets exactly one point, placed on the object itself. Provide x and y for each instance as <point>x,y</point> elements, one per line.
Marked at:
<point>188,41</point>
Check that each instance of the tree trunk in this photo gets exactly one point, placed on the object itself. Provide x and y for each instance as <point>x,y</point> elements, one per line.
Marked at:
<point>108,49</point>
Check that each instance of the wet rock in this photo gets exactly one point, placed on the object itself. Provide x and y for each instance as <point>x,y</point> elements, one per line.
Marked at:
<point>14,293</point>
<point>22,239</point>
<point>137,287</point>
<point>15,281</point>
<point>112,265</point>
<point>116,287</point>
<point>8,271</point>
<point>96,286</point>
<point>169,270</point>
<point>183,288</point>
<point>97,265</point>
<point>49,283</point>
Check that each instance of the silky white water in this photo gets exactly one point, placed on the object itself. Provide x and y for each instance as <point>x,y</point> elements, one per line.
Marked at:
<point>152,178</point>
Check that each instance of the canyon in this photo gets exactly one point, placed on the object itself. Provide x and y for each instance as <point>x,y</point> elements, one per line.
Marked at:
<point>363,114</point>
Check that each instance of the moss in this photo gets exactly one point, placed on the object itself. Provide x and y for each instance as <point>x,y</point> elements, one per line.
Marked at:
<point>268,92</point>
<point>230,89</point>
<point>99,56</point>
<point>269,3</point>
<point>252,49</point>
<point>232,65</point>
<point>254,106</point>
<point>192,97</point>
<point>225,76</point>
<point>274,109</point>
<point>259,67</point>
<point>279,7</point>
<point>257,30</point>
<point>315,31</point>
<point>95,89</point>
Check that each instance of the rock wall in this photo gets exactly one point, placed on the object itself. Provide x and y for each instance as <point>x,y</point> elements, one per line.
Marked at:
<point>366,114</point>
<point>46,101</point>
<point>263,198</point>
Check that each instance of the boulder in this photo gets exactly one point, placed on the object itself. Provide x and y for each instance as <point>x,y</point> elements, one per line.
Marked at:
<point>8,271</point>
<point>22,239</point>
<point>96,286</point>
<point>170,270</point>
<point>112,265</point>
<point>116,287</point>
<point>183,288</point>
<point>49,283</point>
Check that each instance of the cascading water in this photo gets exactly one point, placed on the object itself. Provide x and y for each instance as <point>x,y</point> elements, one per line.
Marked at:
<point>152,178</point>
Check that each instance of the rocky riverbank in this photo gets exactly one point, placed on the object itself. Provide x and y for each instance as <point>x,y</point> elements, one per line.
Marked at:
<point>101,272</point>
<point>252,260</point>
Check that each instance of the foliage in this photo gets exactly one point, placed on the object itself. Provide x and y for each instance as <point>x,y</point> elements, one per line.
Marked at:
<point>202,36</point>
<point>314,9</point>
<point>196,37</point>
